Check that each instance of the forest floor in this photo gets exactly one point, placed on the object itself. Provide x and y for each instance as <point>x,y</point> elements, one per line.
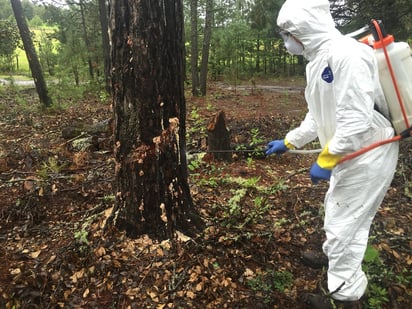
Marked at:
<point>261,213</point>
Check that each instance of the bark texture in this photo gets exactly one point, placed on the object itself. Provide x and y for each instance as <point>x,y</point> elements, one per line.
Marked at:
<point>152,194</point>
<point>218,137</point>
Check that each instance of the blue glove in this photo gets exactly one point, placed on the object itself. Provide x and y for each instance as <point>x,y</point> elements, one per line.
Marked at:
<point>318,173</point>
<point>277,146</point>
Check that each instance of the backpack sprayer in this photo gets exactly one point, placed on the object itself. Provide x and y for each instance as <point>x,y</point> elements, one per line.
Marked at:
<point>395,75</point>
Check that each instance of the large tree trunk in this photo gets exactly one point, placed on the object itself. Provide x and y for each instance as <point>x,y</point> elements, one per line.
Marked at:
<point>152,192</point>
<point>194,48</point>
<point>206,46</point>
<point>105,42</point>
<point>31,54</point>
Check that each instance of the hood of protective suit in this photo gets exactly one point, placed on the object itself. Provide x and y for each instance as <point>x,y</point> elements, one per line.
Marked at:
<point>310,22</point>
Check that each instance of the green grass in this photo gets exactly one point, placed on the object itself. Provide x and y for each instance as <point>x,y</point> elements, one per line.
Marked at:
<point>23,63</point>
<point>16,76</point>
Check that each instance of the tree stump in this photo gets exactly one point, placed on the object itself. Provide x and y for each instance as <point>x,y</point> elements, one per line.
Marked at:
<point>218,138</point>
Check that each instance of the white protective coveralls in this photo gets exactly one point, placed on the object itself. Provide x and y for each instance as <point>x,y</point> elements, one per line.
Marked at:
<point>341,114</point>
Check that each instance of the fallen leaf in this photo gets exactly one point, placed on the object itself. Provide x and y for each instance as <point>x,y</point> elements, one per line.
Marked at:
<point>67,293</point>
<point>249,274</point>
<point>153,296</point>
<point>77,275</point>
<point>132,292</point>
<point>199,286</point>
<point>30,183</point>
<point>396,254</point>
<point>100,251</point>
<point>86,293</point>
<point>182,237</point>
<point>15,271</point>
<point>51,259</point>
<point>35,254</point>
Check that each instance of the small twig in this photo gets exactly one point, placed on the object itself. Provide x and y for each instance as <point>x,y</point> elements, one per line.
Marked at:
<point>18,180</point>
<point>21,180</point>
<point>73,139</point>
<point>21,138</point>
<point>299,171</point>
<point>16,172</point>
<point>174,286</point>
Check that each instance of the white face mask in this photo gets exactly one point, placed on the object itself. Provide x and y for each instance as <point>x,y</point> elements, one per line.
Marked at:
<point>293,46</point>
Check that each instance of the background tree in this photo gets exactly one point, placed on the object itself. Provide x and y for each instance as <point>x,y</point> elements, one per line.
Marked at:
<point>9,40</point>
<point>103,17</point>
<point>244,39</point>
<point>81,5</point>
<point>194,48</point>
<point>34,63</point>
<point>395,14</point>
<point>206,46</point>
<point>28,9</point>
<point>46,53</point>
<point>5,10</point>
<point>258,22</point>
<point>152,193</point>
<point>79,32</point>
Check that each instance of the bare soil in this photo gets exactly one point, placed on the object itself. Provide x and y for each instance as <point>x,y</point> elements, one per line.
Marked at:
<point>261,213</point>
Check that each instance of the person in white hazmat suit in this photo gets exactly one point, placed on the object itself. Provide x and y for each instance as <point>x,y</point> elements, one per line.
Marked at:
<point>343,95</point>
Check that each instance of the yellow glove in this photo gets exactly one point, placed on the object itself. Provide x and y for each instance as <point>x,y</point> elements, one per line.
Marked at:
<point>327,160</point>
<point>288,145</point>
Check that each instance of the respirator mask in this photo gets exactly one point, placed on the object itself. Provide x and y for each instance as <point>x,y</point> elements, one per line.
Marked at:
<point>293,46</point>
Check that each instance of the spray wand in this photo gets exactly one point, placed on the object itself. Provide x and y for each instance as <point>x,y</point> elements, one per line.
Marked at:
<point>262,150</point>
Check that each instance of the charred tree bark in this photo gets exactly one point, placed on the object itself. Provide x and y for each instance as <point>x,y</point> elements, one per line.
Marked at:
<point>218,138</point>
<point>31,54</point>
<point>152,192</point>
